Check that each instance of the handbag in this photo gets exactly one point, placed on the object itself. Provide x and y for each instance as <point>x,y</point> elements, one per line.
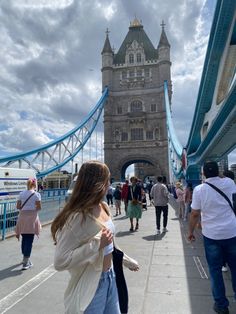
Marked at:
<point>122,290</point>
<point>233,206</point>
<point>134,201</point>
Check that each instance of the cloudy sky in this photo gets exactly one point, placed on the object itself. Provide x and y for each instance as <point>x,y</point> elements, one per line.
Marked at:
<point>50,60</point>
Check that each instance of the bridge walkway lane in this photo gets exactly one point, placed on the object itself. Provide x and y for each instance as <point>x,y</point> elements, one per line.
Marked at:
<point>173,276</point>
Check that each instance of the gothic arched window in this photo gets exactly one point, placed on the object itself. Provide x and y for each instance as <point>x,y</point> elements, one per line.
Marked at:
<point>131,58</point>
<point>138,57</point>
<point>136,106</point>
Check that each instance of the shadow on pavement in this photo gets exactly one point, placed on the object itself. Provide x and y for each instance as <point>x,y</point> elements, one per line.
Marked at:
<point>154,237</point>
<point>120,218</point>
<point>124,233</point>
<point>10,272</point>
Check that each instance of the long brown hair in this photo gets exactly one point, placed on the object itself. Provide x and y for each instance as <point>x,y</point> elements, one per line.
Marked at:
<point>90,187</point>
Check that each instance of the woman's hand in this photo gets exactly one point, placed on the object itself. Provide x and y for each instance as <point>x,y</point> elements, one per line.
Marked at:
<point>106,238</point>
<point>135,268</point>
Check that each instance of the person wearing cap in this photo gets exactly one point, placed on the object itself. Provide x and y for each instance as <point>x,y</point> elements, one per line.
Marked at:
<point>218,229</point>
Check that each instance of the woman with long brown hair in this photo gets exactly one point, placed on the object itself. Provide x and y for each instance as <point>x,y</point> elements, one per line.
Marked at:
<point>83,233</point>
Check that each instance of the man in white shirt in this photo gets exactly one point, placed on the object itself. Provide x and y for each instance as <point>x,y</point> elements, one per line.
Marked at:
<point>218,229</point>
<point>160,195</point>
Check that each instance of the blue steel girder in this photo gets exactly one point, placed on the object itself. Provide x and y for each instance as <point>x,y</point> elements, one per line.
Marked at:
<point>221,138</point>
<point>175,148</point>
<point>54,155</point>
<point>222,22</point>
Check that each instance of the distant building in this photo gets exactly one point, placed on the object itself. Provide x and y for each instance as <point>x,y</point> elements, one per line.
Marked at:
<point>56,180</point>
<point>223,165</point>
<point>134,115</point>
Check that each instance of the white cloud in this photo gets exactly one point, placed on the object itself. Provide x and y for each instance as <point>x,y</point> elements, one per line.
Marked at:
<point>51,59</point>
<point>42,4</point>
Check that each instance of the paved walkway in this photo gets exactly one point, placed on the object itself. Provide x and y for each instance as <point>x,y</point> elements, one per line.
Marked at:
<point>173,276</point>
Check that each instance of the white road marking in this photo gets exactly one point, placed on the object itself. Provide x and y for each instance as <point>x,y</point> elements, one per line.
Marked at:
<point>20,293</point>
<point>200,267</point>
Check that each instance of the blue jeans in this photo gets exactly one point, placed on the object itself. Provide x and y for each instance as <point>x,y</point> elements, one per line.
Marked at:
<point>26,244</point>
<point>216,251</point>
<point>105,300</point>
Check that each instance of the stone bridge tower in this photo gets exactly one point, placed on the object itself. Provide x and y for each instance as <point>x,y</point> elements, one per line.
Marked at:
<point>134,115</point>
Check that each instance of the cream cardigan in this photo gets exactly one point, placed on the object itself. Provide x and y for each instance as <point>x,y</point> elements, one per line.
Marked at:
<point>77,251</point>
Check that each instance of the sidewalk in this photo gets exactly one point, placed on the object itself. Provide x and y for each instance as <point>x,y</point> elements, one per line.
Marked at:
<point>173,276</point>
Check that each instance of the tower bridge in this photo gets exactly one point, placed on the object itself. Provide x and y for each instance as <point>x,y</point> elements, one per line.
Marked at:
<point>134,114</point>
<point>137,100</point>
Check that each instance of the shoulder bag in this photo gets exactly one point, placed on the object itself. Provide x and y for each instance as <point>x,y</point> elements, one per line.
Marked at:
<point>120,279</point>
<point>26,200</point>
<point>224,195</point>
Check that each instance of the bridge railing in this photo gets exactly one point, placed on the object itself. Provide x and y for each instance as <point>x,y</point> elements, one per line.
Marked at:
<point>52,202</point>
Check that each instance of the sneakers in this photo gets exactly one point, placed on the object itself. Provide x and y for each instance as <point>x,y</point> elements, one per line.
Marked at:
<point>164,230</point>
<point>220,311</point>
<point>224,269</point>
<point>158,231</point>
<point>27,265</point>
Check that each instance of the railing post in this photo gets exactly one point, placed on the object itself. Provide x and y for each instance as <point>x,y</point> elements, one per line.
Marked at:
<point>4,221</point>
<point>59,202</point>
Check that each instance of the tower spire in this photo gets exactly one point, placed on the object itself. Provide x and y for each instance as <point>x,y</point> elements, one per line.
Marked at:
<point>107,45</point>
<point>163,39</point>
<point>162,25</point>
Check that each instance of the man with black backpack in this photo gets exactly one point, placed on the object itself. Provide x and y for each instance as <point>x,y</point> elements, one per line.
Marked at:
<point>213,200</point>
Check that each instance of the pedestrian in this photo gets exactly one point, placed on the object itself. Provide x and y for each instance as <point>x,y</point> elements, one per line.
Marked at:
<point>109,195</point>
<point>228,174</point>
<point>149,187</point>
<point>188,192</point>
<point>28,224</point>
<point>180,198</point>
<point>218,229</point>
<point>160,195</point>
<point>84,236</point>
<point>124,194</point>
<point>144,200</point>
<point>134,203</point>
<point>117,197</point>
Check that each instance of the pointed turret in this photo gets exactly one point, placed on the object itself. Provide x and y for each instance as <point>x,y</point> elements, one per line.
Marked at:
<point>107,62</point>
<point>107,45</point>
<point>163,39</point>
<point>163,47</point>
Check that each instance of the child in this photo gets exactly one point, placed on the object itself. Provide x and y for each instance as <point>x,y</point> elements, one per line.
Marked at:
<point>144,200</point>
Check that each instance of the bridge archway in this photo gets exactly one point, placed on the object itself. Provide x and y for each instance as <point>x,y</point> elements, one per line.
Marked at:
<point>149,166</point>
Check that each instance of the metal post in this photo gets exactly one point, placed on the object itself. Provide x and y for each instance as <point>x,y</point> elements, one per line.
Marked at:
<point>101,148</point>
<point>96,134</point>
<point>82,151</point>
<point>4,221</point>
<point>90,147</point>
<point>59,202</point>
